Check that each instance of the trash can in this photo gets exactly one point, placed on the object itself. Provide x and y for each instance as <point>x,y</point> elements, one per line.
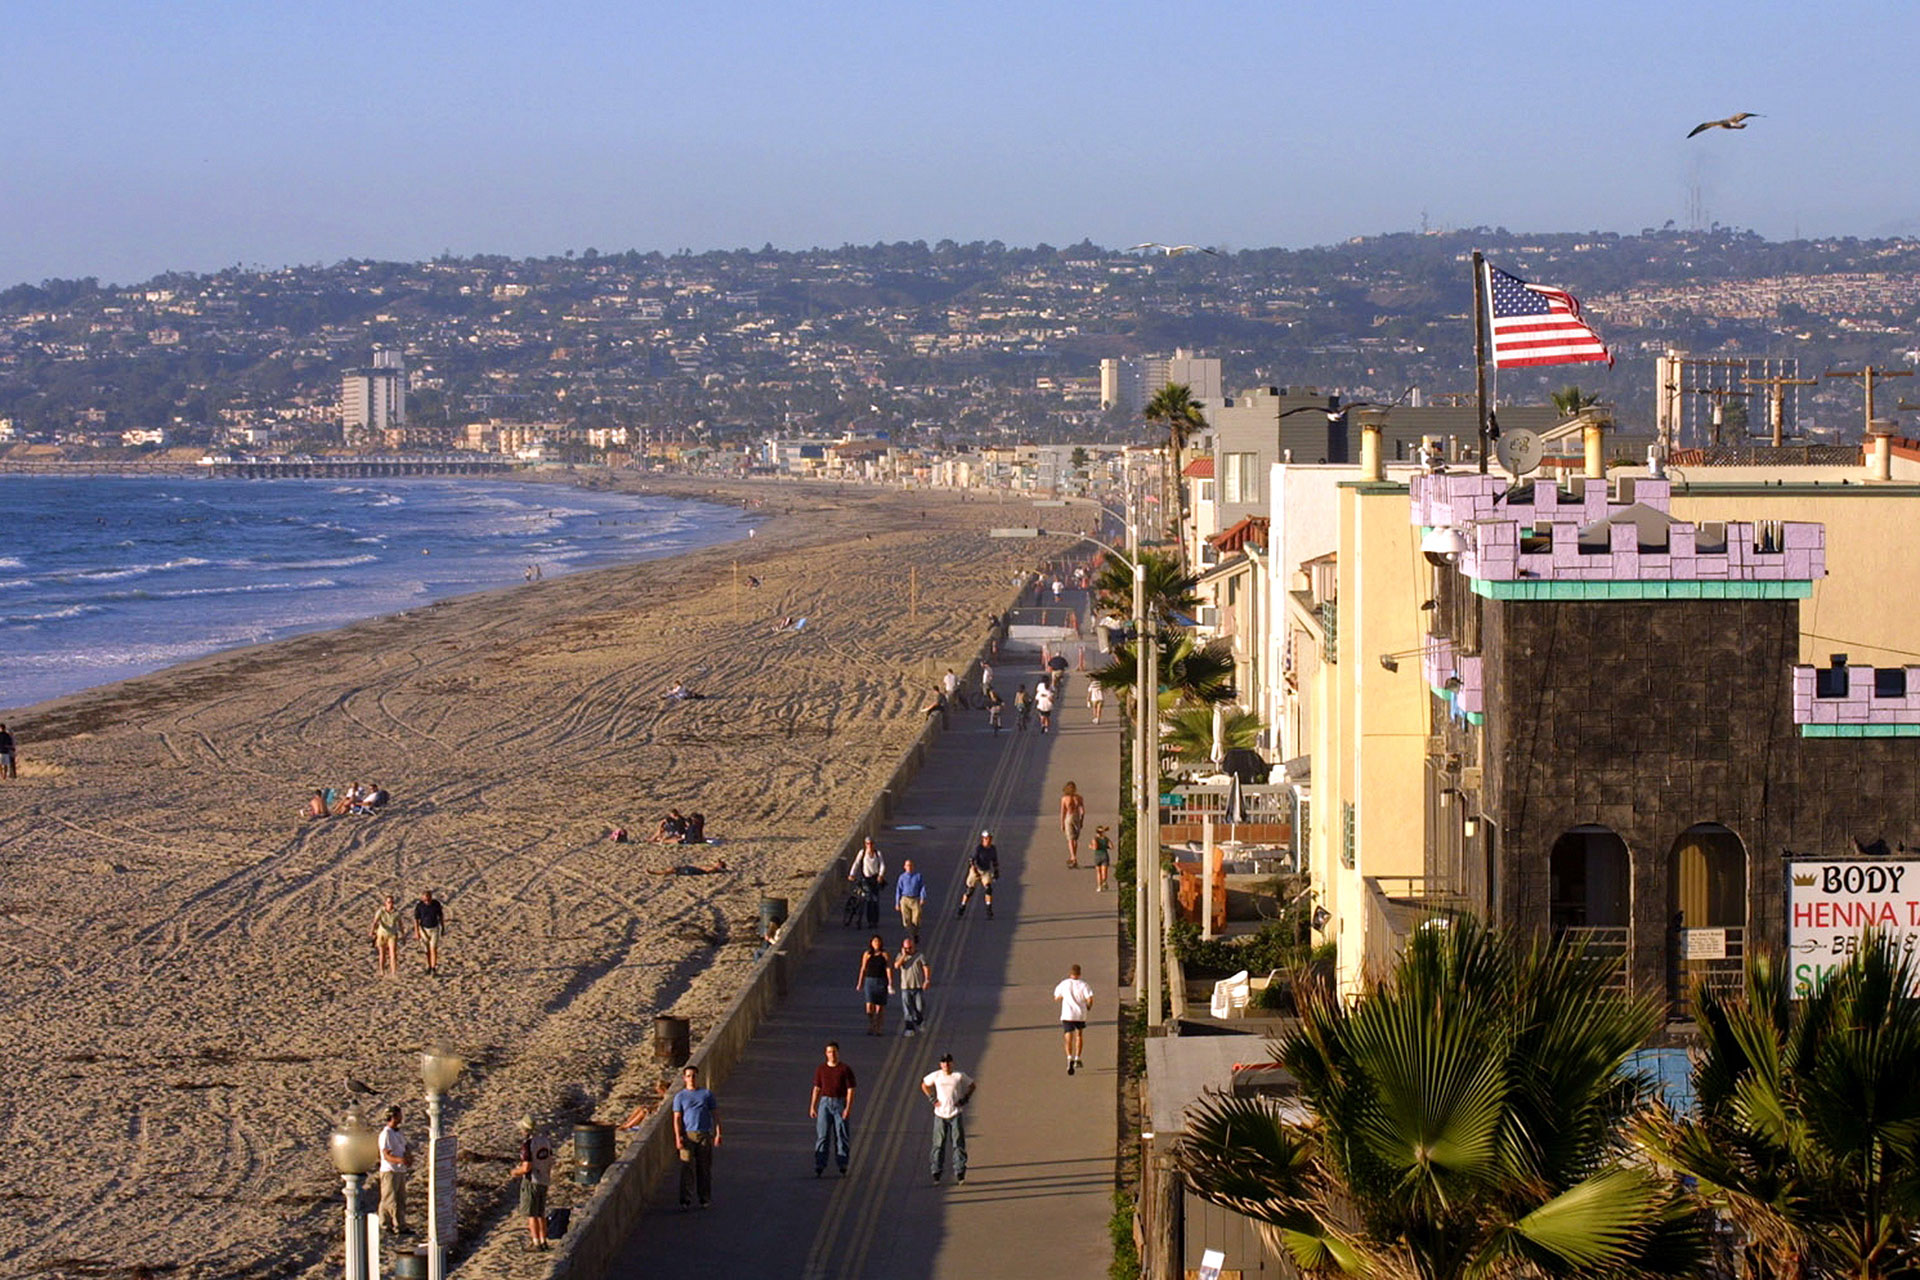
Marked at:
<point>592,1152</point>
<point>773,914</point>
<point>672,1040</point>
<point>410,1264</point>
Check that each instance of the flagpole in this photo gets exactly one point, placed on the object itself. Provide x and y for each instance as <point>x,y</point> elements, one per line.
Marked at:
<point>1480,354</point>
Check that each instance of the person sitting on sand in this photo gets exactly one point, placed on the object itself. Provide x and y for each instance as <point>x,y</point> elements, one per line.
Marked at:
<point>785,624</point>
<point>671,828</point>
<point>637,1116</point>
<point>680,693</point>
<point>316,806</point>
<point>690,869</point>
<point>696,831</point>
<point>372,798</point>
<point>345,803</point>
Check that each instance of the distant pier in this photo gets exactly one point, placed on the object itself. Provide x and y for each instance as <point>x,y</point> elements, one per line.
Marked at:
<point>371,468</point>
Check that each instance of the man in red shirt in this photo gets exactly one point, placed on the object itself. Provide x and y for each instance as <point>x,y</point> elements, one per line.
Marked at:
<point>831,1109</point>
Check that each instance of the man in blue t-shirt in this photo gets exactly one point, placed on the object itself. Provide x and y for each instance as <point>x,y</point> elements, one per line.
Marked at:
<point>696,1132</point>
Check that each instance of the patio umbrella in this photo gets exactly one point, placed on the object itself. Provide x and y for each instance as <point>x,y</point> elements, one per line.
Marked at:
<point>1236,812</point>
<point>1245,764</point>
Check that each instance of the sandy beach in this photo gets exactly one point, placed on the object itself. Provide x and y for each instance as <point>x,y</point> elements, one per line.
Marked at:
<point>187,966</point>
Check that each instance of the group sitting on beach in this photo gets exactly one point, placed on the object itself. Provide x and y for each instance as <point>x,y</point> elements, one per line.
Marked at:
<point>678,829</point>
<point>332,803</point>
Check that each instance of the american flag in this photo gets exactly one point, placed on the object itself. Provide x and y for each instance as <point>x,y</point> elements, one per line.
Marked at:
<point>1534,324</point>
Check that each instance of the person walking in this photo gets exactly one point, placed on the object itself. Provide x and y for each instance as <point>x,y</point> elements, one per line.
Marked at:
<point>994,703</point>
<point>986,679</point>
<point>912,976</point>
<point>831,1110</point>
<point>1073,815</point>
<point>874,982</point>
<point>429,926</point>
<point>950,1091</point>
<point>395,1158</point>
<point>983,867</point>
<point>535,1172</point>
<point>1043,703</point>
<point>910,897</point>
<point>1022,708</point>
<point>386,938</point>
<point>9,756</point>
<point>696,1132</point>
<point>1076,999</point>
<point>951,683</point>
<point>1102,859</point>
<point>1096,700</point>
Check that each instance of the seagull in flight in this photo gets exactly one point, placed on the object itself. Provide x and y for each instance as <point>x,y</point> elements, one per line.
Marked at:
<point>1172,250</point>
<point>1334,416</point>
<point>1738,120</point>
<point>1337,416</point>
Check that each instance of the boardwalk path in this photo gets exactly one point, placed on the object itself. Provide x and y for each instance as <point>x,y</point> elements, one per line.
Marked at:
<point>1038,1193</point>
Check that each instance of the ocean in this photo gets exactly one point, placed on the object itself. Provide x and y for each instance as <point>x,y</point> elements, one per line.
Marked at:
<point>102,578</point>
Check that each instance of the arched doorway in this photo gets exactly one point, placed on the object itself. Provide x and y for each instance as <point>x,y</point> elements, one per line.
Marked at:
<point>1590,891</point>
<point>1709,878</point>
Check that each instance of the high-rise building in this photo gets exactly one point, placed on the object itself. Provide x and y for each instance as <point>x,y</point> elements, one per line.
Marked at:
<point>374,399</point>
<point>1128,382</point>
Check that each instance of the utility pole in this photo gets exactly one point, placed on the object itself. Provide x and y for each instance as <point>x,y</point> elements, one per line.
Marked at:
<point>1719,395</point>
<point>1777,400</point>
<point>1869,374</point>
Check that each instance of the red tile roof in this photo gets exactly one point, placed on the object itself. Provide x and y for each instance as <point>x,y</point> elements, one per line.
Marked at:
<point>1252,529</point>
<point>1199,469</point>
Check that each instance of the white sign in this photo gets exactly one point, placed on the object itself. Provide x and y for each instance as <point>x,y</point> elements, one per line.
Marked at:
<point>1210,1263</point>
<point>1831,904</point>
<point>1704,944</point>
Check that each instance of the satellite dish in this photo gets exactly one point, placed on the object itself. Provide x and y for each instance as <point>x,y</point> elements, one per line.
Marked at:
<point>1518,450</point>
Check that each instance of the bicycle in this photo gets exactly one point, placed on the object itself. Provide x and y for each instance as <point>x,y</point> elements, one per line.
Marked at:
<point>857,899</point>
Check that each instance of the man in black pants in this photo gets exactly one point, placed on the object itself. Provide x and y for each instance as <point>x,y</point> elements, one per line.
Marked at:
<point>429,923</point>
<point>983,868</point>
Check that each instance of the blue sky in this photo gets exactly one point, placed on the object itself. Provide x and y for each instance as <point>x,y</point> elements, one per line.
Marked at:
<point>138,137</point>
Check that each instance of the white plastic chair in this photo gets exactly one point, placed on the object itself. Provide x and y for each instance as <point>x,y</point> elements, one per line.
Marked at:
<point>1230,996</point>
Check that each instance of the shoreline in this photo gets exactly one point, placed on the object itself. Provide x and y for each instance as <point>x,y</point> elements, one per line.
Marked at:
<point>189,965</point>
<point>25,711</point>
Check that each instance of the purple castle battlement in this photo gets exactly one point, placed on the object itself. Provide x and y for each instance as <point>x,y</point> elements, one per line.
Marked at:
<point>1843,695</point>
<point>1440,663</point>
<point>1586,535</point>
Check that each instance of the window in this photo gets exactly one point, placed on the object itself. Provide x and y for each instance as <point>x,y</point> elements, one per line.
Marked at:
<point>1240,477</point>
<point>1889,682</point>
<point>1346,836</point>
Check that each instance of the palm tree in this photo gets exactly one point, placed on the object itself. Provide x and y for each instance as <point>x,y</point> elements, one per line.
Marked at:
<point>1808,1135</point>
<point>1173,407</point>
<point>1190,674</point>
<point>1186,732</point>
<point>1570,400</point>
<point>1468,1116</point>
<point>1169,589</point>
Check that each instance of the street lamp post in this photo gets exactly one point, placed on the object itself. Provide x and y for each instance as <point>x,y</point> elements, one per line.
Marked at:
<point>439,1068</point>
<point>355,1149</point>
